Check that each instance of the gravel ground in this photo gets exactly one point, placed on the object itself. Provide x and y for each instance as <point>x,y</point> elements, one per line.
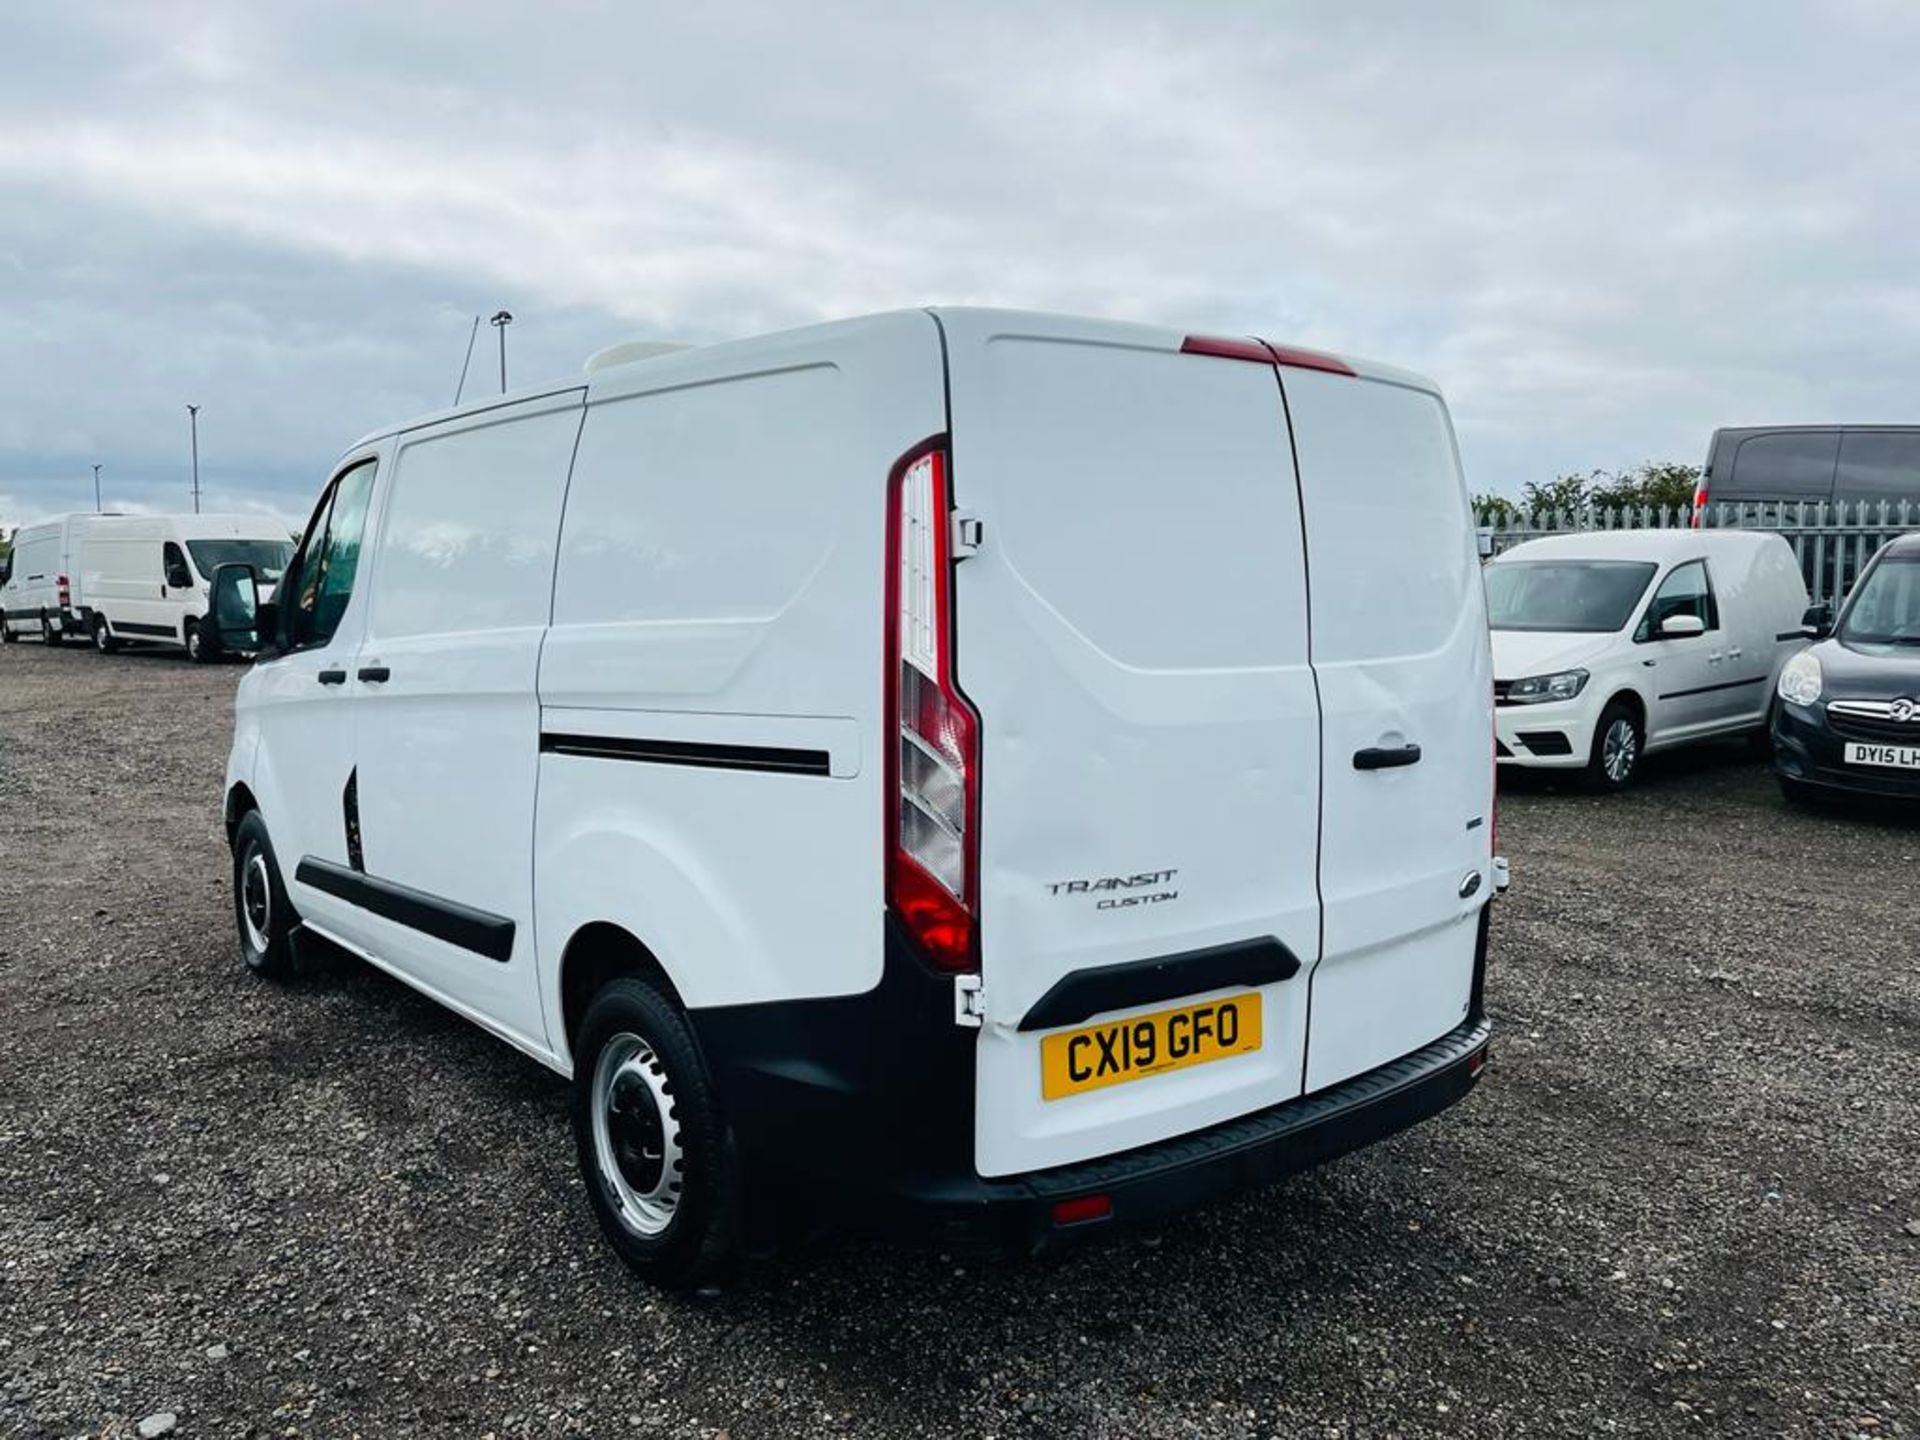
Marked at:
<point>1684,1201</point>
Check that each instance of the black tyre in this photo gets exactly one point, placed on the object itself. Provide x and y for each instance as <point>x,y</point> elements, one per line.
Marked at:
<point>261,910</point>
<point>103,638</point>
<point>49,636</point>
<point>202,647</point>
<point>1619,740</point>
<point>7,637</point>
<point>655,1151</point>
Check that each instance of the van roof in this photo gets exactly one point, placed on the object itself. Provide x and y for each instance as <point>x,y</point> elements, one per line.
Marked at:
<point>1658,546</point>
<point>611,370</point>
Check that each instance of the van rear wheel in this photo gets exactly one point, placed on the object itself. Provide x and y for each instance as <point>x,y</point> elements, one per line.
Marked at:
<point>49,636</point>
<point>261,909</point>
<point>7,636</point>
<point>1618,742</point>
<point>655,1151</point>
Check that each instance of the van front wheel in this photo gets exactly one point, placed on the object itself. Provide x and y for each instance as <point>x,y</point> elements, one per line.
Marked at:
<point>654,1148</point>
<point>260,907</point>
<point>1618,741</point>
<point>103,640</point>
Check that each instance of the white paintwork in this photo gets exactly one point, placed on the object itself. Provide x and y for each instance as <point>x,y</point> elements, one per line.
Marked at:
<point>294,739</point>
<point>41,555</point>
<point>1134,631</point>
<point>1760,596</point>
<point>1400,652</point>
<point>121,565</point>
<point>1134,635</point>
<point>447,748</point>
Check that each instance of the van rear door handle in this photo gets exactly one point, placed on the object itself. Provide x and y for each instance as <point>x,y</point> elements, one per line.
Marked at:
<point>332,677</point>
<point>1376,758</point>
<point>375,674</point>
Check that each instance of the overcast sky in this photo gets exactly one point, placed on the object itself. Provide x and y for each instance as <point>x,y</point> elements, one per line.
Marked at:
<point>1605,229</point>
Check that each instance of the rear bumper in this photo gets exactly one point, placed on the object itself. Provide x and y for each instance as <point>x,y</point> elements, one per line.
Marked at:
<point>1177,1175</point>
<point>865,1104</point>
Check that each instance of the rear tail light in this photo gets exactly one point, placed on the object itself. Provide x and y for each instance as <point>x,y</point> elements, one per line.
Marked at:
<point>1081,1209</point>
<point>1700,501</point>
<point>66,591</point>
<point>933,761</point>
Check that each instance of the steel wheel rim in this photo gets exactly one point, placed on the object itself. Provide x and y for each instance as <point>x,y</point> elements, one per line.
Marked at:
<point>636,1135</point>
<point>100,637</point>
<point>1619,750</point>
<point>256,901</point>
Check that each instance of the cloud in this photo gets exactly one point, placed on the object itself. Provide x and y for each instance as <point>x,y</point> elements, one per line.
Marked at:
<point>1605,230</point>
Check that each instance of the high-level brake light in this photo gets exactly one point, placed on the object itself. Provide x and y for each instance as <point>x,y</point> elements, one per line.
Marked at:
<point>933,762</point>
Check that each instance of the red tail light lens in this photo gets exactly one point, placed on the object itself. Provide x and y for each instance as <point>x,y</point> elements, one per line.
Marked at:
<point>1700,502</point>
<point>933,762</point>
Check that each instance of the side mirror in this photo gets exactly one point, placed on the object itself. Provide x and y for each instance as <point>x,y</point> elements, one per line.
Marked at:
<point>236,607</point>
<point>1682,627</point>
<point>178,578</point>
<point>1817,623</point>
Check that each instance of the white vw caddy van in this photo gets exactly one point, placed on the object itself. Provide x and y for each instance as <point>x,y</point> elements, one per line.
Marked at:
<point>985,773</point>
<point>1610,644</point>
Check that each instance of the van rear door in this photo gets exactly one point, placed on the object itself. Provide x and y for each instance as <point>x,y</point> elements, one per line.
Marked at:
<point>1401,654</point>
<point>1133,633</point>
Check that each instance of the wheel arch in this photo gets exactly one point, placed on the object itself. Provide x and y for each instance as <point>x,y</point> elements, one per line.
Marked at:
<point>596,953</point>
<point>240,803</point>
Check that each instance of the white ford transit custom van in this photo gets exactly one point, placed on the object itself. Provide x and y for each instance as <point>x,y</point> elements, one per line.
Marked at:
<point>1613,643</point>
<point>985,773</point>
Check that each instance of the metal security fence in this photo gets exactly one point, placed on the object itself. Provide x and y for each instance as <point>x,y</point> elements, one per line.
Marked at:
<point>1834,541</point>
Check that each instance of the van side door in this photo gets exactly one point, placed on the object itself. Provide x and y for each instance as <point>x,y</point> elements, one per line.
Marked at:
<point>448,746</point>
<point>304,756</point>
<point>1687,676</point>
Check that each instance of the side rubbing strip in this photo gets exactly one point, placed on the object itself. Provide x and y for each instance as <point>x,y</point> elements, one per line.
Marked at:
<point>476,930</point>
<point>689,752</point>
<point>1087,993</point>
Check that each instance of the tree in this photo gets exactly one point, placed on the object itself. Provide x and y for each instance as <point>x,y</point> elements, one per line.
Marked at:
<point>1663,484</point>
<point>1659,484</point>
<point>1489,509</point>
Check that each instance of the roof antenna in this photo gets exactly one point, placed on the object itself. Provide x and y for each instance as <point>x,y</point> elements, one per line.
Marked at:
<point>471,334</point>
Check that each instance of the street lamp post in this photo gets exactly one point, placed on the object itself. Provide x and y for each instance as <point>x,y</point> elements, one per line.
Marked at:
<point>96,489</point>
<point>501,319</point>
<point>193,425</point>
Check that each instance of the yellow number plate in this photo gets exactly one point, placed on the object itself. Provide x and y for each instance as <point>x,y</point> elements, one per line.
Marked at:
<point>1075,1061</point>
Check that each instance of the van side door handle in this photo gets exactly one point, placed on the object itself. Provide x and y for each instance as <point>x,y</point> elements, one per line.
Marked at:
<point>332,677</point>
<point>1376,758</point>
<point>375,674</point>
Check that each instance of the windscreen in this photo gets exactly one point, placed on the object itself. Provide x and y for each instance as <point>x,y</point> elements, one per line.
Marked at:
<point>268,557</point>
<point>1886,608</point>
<point>1591,596</point>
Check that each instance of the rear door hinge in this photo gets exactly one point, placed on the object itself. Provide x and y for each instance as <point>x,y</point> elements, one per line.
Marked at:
<point>968,533</point>
<point>969,1001</point>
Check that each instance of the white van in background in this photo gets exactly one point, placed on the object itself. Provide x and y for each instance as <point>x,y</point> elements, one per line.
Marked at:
<point>1613,643</point>
<point>37,598</point>
<point>144,577</point>
<point>952,768</point>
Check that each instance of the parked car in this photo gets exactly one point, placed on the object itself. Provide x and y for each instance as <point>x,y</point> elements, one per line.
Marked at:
<point>1848,464</point>
<point>37,595</point>
<point>145,578</point>
<point>1848,721</point>
<point>1611,644</point>
<point>940,816</point>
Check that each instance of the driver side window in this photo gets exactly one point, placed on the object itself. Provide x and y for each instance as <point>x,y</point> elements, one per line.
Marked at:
<point>174,565</point>
<point>1685,591</point>
<point>321,579</point>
